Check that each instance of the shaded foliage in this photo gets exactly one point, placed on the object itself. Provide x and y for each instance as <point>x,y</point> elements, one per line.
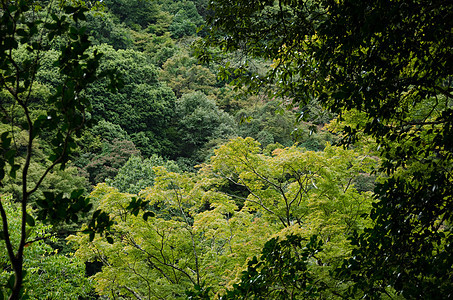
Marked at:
<point>282,271</point>
<point>391,61</point>
<point>106,164</point>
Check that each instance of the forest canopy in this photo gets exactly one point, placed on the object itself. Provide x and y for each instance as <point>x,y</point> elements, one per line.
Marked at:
<point>176,149</point>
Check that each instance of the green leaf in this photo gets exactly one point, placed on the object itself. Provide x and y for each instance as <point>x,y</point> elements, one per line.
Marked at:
<point>13,171</point>
<point>6,141</point>
<point>148,214</point>
<point>76,194</point>
<point>12,8</point>
<point>91,236</point>
<point>30,220</point>
<point>9,155</point>
<point>96,214</point>
<point>49,196</point>
<point>74,219</point>
<point>42,203</point>
<point>88,207</point>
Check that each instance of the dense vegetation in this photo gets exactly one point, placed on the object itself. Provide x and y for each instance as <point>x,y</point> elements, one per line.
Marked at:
<point>175,149</point>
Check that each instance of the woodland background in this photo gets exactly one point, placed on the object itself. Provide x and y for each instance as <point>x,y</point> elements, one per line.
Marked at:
<point>225,162</point>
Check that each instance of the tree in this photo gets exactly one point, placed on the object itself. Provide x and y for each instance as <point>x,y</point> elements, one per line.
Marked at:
<point>282,272</point>
<point>140,13</point>
<point>203,234</point>
<point>184,76</point>
<point>53,275</point>
<point>195,238</point>
<point>149,257</point>
<point>199,121</point>
<point>270,123</point>
<point>143,107</point>
<point>52,121</point>
<point>106,164</point>
<point>103,29</point>
<point>301,192</point>
<point>137,173</point>
<point>288,184</point>
<point>185,17</point>
<point>391,62</point>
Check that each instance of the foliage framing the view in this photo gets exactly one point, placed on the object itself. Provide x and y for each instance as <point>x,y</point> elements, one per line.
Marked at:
<point>26,25</point>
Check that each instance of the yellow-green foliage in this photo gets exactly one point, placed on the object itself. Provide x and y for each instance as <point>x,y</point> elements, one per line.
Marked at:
<point>200,235</point>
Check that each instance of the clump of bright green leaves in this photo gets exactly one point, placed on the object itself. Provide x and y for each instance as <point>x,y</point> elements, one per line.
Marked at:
<point>202,234</point>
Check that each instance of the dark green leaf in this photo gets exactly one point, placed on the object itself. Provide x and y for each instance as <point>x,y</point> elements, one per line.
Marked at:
<point>30,220</point>
<point>77,193</point>
<point>91,236</point>
<point>148,214</point>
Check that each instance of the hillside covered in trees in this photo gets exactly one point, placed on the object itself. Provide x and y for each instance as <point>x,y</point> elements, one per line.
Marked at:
<point>175,149</point>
